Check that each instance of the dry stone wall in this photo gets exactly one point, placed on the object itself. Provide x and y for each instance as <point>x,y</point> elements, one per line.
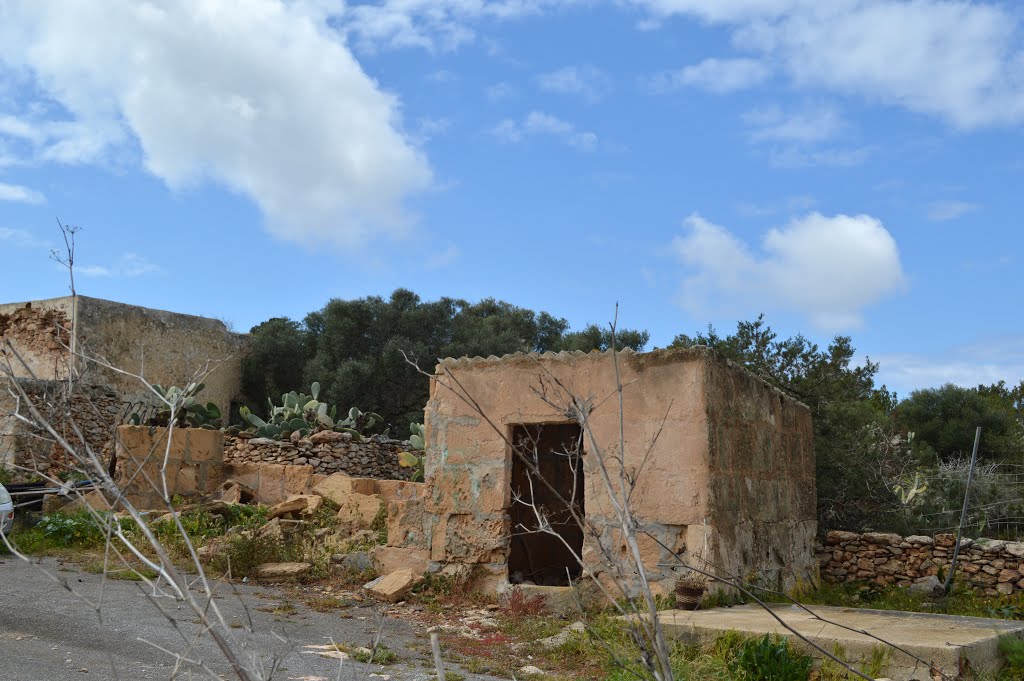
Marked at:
<point>991,566</point>
<point>96,410</point>
<point>325,452</point>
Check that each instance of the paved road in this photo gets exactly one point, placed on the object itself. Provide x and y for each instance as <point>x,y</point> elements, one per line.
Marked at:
<point>49,634</point>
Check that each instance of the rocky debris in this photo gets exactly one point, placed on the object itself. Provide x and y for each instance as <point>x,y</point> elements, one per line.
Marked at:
<point>279,572</point>
<point>393,587</point>
<point>213,548</point>
<point>296,504</point>
<point>234,492</point>
<point>530,670</point>
<point>990,566</point>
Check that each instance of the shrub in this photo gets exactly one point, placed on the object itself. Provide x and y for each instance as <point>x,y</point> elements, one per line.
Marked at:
<point>770,658</point>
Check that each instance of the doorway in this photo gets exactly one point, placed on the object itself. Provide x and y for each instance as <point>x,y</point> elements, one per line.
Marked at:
<point>549,453</point>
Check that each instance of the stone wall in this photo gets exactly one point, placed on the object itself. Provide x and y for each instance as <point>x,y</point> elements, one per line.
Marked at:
<point>324,453</point>
<point>95,409</point>
<point>989,565</point>
<point>194,462</point>
<point>165,347</point>
<point>723,463</point>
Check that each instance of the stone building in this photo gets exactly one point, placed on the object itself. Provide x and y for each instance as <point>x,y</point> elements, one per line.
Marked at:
<point>164,347</point>
<point>723,466</point>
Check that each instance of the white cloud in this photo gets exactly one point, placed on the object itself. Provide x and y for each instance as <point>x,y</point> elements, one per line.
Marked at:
<point>586,81</point>
<point>827,268</point>
<point>129,266</point>
<point>798,157</point>
<point>263,98</point>
<point>986,361</point>
<point>809,125</point>
<point>941,211</point>
<point>500,91</point>
<point>540,123</point>
<point>434,25</point>
<point>960,61</point>
<point>716,75</point>
<point>21,238</point>
<point>20,194</point>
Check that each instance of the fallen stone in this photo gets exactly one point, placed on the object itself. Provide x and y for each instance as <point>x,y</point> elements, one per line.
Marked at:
<point>530,670</point>
<point>563,636</point>
<point>357,561</point>
<point>273,572</point>
<point>1015,549</point>
<point>929,587</point>
<point>394,586</point>
<point>295,504</point>
<point>272,531</point>
<point>388,559</point>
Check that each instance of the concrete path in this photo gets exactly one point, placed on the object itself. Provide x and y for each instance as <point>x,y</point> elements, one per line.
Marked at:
<point>946,641</point>
<point>48,633</point>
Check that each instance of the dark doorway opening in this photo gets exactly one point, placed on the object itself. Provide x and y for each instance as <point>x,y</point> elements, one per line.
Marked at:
<point>555,453</point>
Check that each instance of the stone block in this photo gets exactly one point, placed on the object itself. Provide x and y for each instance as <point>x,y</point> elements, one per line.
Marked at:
<point>338,486</point>
<point>205,445</point>
<point>387,559</point>
<point>278,572</point>
<point>271,486</point>
<point>393,587</point>
<point>359,510</point>
<point>406,523</point>
<point>399,489</point>
<point>295,503</point>
<point>297,479</point>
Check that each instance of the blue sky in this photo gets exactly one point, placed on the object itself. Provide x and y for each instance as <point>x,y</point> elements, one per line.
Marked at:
<point>845,167</point>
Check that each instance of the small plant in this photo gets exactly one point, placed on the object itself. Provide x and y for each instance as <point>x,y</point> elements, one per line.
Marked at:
<point>1012,649</point>
<point>770,658</point>
<point>305,414</point>
<point>517,605</point>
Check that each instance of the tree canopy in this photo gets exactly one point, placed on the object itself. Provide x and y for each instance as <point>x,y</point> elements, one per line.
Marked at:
<point>354,348</point>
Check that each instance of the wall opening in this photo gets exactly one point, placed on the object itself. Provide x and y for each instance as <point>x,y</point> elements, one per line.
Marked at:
<point>555,450</point>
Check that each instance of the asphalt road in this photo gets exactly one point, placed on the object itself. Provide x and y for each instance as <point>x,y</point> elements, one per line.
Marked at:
<point>48,633</point>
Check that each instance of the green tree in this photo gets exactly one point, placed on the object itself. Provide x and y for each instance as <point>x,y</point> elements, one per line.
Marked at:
<point>849,412</point>
<point>278,351</point>
<point>354,348</point>
<point>944,420</point>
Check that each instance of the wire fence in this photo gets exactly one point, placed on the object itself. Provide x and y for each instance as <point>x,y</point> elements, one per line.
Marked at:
<point>995,507</point>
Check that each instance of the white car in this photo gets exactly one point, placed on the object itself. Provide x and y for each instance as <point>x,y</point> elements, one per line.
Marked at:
<point>6,511</point>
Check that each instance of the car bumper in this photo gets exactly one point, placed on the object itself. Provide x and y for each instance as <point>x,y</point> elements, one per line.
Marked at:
<point>6,521</point>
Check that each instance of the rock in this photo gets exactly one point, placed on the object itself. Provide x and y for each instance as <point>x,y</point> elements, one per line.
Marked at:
<point>213,548</point>
<point>271,531</point>
<point>991,545</point>
<point>263,441</point>
<point>338,486</point>
<point>388,559</point>
<point>929,587</point>
<point>394,586</point>
<point>919,539</point>
<point>357,561</point>
<point>295,436</point>
<point>293,504</point>
<point>945,540</point>
<point>274,572</point>
<point>1015,549</point>
<point>840,537</point>
<point>325,436</point>
<point>234,492</point>
<point>883,538</point>
<point>1009,576</point>
<point>563,636</point>
<point>530,670</point>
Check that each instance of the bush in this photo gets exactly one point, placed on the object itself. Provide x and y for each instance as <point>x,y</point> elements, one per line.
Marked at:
<point>79,529</point>
<point>770,658</point>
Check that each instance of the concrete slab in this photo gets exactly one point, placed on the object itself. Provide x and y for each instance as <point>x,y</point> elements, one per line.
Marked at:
<point>950,643</point>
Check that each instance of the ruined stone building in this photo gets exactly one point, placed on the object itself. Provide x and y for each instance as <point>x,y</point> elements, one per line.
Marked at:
<point>164,347</point>
<point>723,466</point>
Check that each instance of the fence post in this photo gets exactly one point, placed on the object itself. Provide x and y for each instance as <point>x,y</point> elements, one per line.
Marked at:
<point>963,512</point>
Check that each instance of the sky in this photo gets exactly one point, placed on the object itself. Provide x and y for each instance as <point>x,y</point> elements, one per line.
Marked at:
<point>848,167</point>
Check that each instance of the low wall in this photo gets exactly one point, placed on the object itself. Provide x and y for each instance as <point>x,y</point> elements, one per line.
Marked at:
<point>324,453</point>
<point>194,462</point>
<point>988,565</point>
